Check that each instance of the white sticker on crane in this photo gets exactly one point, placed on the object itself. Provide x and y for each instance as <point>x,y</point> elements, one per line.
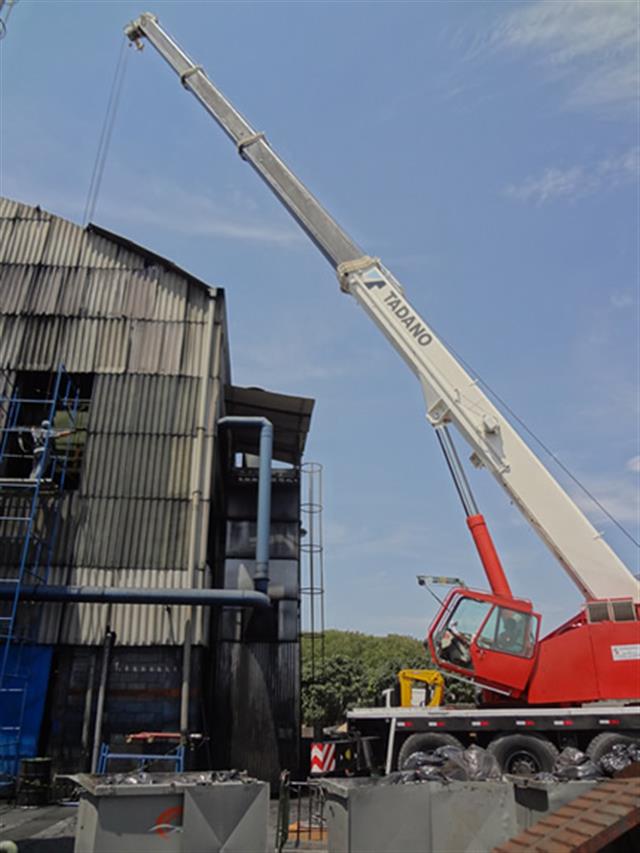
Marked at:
<point>631,651</point>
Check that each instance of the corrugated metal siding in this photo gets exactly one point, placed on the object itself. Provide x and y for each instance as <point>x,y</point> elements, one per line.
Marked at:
<point>85,624</point>
<point>6,389</point>
<point>36,341</point>
<point>101,305</point>
<point>144,404</point>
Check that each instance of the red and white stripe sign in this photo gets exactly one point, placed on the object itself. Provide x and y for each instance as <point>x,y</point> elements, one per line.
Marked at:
<point>323,757</point>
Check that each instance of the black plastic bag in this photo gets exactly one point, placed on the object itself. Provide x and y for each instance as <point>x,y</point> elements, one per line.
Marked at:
<point>620,755</point>
<point>443,753</point>
<point>430,773</point>
<point>401,777</point>
<point>586,770</point>
<point>419,759</point>
<point>473,765</point>
<point>573,764</point>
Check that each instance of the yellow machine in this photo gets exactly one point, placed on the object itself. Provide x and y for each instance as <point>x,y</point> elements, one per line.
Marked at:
<point>420,688</point>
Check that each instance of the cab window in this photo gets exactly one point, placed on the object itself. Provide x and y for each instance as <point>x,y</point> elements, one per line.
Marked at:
<point>509,631</point>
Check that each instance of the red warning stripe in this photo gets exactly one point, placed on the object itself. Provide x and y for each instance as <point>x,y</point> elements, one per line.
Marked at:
<point>323,757</point>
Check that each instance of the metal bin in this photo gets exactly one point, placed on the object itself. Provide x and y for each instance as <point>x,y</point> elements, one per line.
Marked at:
<point>370,814</point>
<point>171,812</point>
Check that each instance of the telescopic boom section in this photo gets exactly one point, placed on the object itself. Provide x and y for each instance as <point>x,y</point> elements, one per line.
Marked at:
<point>451,395</point>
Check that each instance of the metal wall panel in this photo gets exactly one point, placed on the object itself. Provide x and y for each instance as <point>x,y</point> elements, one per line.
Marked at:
<point>135,625</point>
<point>11,334</point>
<point>64,244</point>
<point>24,244</point>
<point>164,405</point>
<point>263,679</point>
<point>45,287</point>
<point>137,466</point>
<point>101,305</point>
<point>10,209</point>
<point>39,342</point>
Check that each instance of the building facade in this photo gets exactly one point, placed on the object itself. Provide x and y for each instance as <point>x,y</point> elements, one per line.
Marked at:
<point>150,486</point>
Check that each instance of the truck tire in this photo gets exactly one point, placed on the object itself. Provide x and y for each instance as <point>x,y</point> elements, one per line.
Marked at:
<point>523,755</point>
<point>602,743</point>
<point>426,742</point>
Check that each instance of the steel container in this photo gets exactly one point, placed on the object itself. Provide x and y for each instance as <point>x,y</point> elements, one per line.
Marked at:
<point>368,814</point>
<point>172,813</point>
<point>431,817</point>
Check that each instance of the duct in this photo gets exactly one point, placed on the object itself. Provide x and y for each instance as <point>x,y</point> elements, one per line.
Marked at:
<point>130,595</point>
<point>261,579</point>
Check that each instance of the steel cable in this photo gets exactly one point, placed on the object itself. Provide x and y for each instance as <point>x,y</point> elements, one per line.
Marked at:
<point>106,133</point>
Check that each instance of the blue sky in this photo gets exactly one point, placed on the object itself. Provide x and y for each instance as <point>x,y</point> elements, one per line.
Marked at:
<point>487,152</point>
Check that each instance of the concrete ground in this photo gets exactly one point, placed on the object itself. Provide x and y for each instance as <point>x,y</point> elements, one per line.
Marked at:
<point>51,829</point>
<point>38,829</point>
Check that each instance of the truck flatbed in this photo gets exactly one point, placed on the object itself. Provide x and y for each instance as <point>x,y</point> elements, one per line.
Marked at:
<point>563,726</point>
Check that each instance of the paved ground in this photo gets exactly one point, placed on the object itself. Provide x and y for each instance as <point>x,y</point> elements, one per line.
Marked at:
<point>41,829</point>
<point>50,829</point>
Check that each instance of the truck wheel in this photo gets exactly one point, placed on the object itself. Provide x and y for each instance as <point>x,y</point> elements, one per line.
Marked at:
<point>426,742</point>
<point>523,755</point>
<point>602,743</point>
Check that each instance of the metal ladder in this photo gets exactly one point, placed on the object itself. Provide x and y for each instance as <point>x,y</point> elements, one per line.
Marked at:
<point>20,504</point>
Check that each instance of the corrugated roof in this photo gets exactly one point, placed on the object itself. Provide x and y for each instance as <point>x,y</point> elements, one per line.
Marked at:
<point>290,416</point>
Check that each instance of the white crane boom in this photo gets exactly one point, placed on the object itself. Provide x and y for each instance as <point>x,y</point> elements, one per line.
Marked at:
<point>451,395</point>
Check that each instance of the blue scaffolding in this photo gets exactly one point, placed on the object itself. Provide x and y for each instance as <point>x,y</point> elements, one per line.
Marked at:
<point>33,432</point>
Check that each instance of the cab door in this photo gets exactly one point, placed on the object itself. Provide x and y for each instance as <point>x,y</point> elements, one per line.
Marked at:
<point>503,651</point>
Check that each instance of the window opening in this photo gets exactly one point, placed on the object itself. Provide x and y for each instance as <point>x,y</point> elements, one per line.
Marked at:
<point>28,454</point>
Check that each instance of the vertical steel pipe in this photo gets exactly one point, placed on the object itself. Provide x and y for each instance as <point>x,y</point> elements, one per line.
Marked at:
<point>261,579</point>
<point>109,641</point>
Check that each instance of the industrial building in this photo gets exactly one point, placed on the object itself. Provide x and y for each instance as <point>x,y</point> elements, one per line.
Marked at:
<point>126,357</point>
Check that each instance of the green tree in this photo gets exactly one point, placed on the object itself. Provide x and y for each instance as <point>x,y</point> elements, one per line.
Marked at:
<point>337,684</point>
<point>357,669</point>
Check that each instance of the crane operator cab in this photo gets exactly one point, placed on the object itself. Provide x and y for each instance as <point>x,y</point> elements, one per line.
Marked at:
<point>489,639</point>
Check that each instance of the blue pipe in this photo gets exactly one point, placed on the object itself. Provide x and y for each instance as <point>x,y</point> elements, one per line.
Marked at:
<point>128,595</point>
<point>261,579</point>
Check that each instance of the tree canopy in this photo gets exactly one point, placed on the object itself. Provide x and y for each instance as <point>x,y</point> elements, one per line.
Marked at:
<point>357,668</point>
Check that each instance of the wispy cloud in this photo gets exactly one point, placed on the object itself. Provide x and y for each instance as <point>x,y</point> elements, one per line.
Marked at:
<point>619,496</point>
<point>633,464</point>
<point>591,47</point>
<point>172,208</point>
<point>570,183</point>
<point>166,206</point>
<point>619,300</point>
<point>290,360</point>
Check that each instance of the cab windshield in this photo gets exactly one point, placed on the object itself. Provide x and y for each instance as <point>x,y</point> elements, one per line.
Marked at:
<point>454,639</point>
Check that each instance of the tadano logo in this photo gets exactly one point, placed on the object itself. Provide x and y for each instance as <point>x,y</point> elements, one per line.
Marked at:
<point>408,318</point>
<point>373,279</point>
